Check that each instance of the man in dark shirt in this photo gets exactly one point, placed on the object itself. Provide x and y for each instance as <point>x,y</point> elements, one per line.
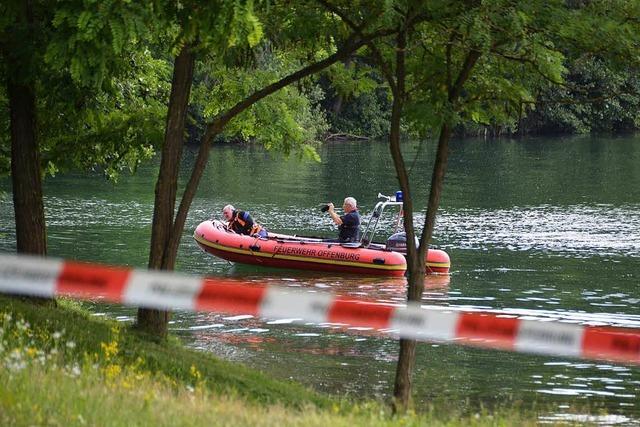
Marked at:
<point>349,223</point>
<point>241,222</point>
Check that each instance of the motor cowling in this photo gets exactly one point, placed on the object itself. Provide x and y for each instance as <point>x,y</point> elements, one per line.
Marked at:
<point>398,242</point>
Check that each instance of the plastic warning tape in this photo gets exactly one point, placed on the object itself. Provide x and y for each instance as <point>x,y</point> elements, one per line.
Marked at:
<point>46,277</point>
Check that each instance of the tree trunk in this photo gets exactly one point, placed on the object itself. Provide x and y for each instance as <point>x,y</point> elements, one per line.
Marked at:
<point>404,373</point>
<point>26,177</point>
<point>415,265</point>
<point>407,355</point>
<point>406,361</point>
<point>437,181</point>
<point>152,321</point>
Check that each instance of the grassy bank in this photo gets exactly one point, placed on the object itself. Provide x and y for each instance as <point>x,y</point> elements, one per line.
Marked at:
<point>60,366</point>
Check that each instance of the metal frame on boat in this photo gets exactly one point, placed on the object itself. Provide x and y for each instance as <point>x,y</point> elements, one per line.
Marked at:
<point>376,214</point>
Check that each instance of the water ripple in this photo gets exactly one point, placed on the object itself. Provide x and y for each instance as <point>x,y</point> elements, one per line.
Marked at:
<point>578,230</point>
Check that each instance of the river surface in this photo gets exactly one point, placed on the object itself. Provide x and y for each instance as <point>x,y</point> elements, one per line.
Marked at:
<point>539,228</point>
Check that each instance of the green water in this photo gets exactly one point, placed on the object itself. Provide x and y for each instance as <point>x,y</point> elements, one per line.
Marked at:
<point>540,228</point>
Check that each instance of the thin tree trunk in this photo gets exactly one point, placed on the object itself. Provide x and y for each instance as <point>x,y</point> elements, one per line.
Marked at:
<point>415,266</point>
<point>153,321</point>
<point>437,182</point>
<point>407,354</point>
<point>416,262</point>
<point>404,374</point>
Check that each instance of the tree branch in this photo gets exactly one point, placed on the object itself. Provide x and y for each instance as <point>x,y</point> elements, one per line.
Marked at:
<point>525,60</point>
<point>343,16</point>
<point>384,66</point>
<point>354,42</point>
<point>465,71</point>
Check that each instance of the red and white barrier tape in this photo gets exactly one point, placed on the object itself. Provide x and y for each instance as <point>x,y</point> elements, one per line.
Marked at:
<point>163,290</point>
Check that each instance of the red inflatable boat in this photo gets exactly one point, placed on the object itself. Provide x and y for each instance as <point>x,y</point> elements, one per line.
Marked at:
<point>280,250</point>
<point>310,253</point>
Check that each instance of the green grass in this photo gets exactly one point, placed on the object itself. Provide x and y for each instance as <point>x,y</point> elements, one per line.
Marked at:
<point>53,397</point>
<point>170,359</point>
<point>61,366</point>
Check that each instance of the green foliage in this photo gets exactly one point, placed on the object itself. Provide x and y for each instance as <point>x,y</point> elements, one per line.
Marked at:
<point>288,121</point>
<point>358,102</point>
<point>366,115</point>
<point>100,96</point>
<point>244,24</point>
<point>109,130</point>
<point>243,47</point>
<point>608,29</point>
<point>89,38</point>
<point>305,30</point>
<point>533,56</point>
<point>351,80</point>
<point>523,56</point>
<point>94,129</point>
<point>214,28</point>
<point>515,61</point>
<point>597,98</point>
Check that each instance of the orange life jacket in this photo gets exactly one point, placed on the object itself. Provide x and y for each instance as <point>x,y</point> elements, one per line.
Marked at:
<point>241,226</point>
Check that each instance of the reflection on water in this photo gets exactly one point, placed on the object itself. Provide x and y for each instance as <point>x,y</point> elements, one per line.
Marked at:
<point>539,229</point>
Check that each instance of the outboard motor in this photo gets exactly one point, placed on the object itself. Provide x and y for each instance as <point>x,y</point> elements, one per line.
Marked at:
<point>398,242</point>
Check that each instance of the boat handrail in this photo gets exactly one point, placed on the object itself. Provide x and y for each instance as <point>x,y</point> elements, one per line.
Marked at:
<point>370,231</point>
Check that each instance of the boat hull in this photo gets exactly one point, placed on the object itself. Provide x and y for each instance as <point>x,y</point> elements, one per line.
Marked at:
<point>304,253</point>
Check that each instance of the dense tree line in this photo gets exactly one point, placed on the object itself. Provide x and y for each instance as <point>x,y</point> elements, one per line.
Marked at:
<point>594,98</point>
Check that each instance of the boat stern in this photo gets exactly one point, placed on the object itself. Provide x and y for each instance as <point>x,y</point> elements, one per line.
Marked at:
<point>438,262</point>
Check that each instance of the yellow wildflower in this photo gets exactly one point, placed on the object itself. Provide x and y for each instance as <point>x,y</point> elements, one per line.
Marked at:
<point>110,349</point>
<point>195,373</point>
<point>111,371</point>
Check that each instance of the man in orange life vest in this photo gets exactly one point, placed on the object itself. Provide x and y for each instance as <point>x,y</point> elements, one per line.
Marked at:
<point>242,223</point>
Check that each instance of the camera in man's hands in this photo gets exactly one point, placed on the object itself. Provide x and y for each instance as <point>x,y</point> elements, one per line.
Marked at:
<point>325,208</point>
